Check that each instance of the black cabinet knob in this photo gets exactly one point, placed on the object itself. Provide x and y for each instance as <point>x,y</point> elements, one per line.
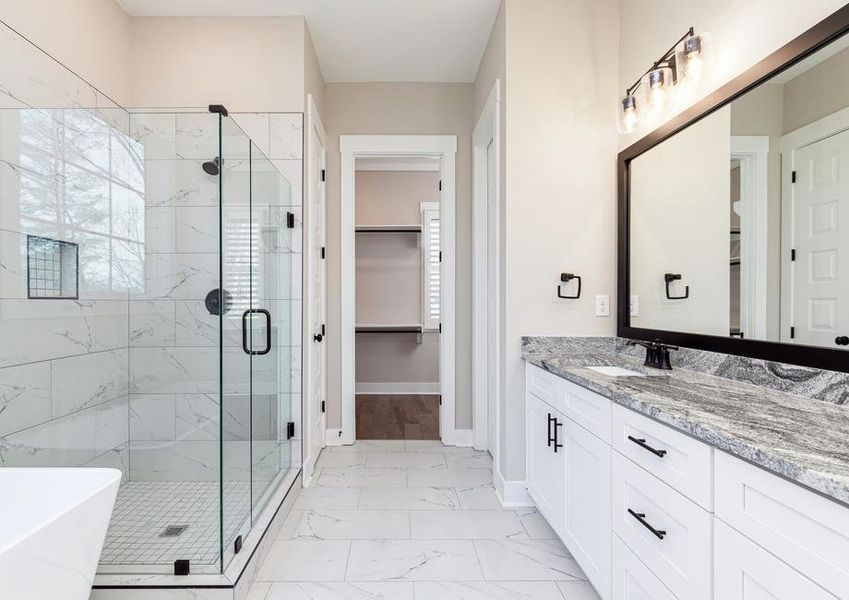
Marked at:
<point>318,337</point>
<point>842,340</point>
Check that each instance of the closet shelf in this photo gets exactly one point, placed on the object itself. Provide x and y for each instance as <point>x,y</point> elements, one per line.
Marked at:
<point>388,229</point>
<point>417,328</point>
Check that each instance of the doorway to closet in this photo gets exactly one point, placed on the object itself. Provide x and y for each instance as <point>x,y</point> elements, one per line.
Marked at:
<point>397,298</point>
<point>397,319</point>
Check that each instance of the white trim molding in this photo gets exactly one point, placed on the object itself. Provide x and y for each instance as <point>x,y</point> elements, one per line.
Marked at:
<point>511,494</point>
<point>396,388</point>
<point>753,154</point>
<point>487,131</point>
<point>443,148</point>
<point>333,437</point>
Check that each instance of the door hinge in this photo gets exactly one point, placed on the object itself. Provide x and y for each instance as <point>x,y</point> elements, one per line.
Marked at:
<point>290,430</point>
<point>323,406</point>
<point>440,328</point>
<point>323,252</point>
<point>793,177</point>
<point>323,175</point>
<point>440,185</point>
<point>290,220</point>
<point>323,329</point>
<point>792,333</point>
<point>440,401</point>
<point>793,254</point>
<point>440,256</point>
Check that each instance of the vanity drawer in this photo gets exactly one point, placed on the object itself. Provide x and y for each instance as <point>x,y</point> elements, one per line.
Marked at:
<point>805,530</point>
<point>586,408</point>
<point>632,580</point>
<point>681,559</point>
<point>686,464</point>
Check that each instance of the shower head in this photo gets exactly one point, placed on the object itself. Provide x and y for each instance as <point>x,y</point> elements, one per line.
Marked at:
<point>211,167</point>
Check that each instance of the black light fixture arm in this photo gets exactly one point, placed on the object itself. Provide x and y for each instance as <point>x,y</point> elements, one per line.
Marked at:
<point>664,61</point>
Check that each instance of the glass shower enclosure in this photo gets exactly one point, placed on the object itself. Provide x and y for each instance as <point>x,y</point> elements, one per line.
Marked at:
<point>149,321</point>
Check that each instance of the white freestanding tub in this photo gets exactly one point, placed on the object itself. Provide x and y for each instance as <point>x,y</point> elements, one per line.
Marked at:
<point>52,527</point>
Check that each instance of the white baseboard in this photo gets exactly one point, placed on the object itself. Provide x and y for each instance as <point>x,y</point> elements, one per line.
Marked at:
<point>333,437</point>
<point>458,437</point>
<point>397,388</point>
<point>511,494</point>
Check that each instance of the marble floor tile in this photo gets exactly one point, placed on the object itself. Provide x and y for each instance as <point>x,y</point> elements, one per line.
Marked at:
<point>449,477</point>
<point>466,525</point>
<point>342,459</point>
<point>305,560</point>
<point>434,446</point>
<point>334,477</point>
<point>478,498</point>
<point>479,460</point>
<point>324,498</point>
<point>413,561</point>
<point>393,460</point>
<point>290,525</point>
<point>408,498</point>
<point>476,590</point>
<point>259,591</point>
<point>536,526</point>
<point>535,560</point>
<point>577,590</point>
<point>368,446</point>
<point>354,525</point>
<point>396,590</point>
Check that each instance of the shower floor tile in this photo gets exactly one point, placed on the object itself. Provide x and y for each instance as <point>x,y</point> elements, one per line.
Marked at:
<point>144,511</point>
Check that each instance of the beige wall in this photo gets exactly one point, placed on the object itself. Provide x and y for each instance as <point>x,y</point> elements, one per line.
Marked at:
<point>90,37</point>
<point>313,80</point>
<point>817,93</point>
<point>561,145</point>
<point>402,108</point>
<point>247,64</point>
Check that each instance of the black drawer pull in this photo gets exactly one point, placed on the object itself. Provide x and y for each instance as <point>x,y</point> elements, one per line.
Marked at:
<point>642,444</point>
<point>641,517</point>
<point>556,443</point>
<point>550,421</point>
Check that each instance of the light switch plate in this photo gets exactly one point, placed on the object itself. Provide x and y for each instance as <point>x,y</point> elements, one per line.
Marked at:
<point>635,305</point>
<point>602,306</point>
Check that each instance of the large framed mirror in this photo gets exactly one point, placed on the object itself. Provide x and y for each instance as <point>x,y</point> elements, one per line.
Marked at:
<point>734,216</point>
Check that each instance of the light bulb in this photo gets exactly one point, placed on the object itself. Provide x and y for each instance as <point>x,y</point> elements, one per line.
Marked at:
<point>657,92</point>
<point>628,117</point>
<point>694,61</point>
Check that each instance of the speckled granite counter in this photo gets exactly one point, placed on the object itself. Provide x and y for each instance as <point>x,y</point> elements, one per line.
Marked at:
<point>804,440</point>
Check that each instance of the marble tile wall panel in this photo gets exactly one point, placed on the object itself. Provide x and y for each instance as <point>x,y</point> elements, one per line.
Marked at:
<point>79,382</point>
<point>24,396</point>
<point>286,136</point>
<point>65,442</point>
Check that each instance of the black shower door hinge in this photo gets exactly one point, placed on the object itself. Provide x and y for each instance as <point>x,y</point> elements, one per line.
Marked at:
<point>323,175</point>
<point>323,252</point>
<point>793,254</point>
<point>793,177</point>
<point>290,220</point>
<point>290,430</point>
<point>792,333</point>
<point>440,256</point>
<point>323,406</point>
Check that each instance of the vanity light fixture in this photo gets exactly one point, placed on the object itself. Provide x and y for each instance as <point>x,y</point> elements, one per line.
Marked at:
<point>685,62</point>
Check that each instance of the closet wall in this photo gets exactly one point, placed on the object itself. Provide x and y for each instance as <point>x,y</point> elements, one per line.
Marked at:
<point>389,284</point>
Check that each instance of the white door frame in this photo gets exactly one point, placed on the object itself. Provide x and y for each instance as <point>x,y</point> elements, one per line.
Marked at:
<point>826,127</point>
<point>314,135</point>
<point>753,154</point>
<point>487,131</point>
<point>351,147</point>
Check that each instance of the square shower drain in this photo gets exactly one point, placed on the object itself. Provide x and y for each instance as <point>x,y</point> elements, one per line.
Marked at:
<point>173,530</point>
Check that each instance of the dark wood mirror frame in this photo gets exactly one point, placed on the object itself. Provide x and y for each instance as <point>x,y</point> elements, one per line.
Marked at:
<point>806,44</point>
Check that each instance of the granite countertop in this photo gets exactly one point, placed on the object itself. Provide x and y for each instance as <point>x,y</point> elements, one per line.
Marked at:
<point>804,440</point>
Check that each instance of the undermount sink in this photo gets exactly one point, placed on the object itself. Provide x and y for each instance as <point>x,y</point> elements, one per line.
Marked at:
<point>616,371</point>
<point>52,527</point>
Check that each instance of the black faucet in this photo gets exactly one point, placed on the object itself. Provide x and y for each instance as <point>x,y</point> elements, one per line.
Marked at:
<point>657,354</point>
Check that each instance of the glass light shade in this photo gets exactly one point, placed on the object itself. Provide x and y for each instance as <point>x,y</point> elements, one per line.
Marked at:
<point>655,87</point>
<point>629,114</point>
<point>693,58</point>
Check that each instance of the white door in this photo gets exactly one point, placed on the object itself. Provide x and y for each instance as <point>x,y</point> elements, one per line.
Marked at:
<point>492,296</point>
<point>820,271</point>
<point>745,571</point>
<point>547,462</point>
<point>587,529</point>
<point>317,301</point>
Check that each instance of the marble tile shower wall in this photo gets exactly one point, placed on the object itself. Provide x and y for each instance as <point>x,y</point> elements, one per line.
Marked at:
<point>173,339</point>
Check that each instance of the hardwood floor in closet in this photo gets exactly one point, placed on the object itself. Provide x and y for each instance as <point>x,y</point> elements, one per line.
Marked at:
<point>398,417</point>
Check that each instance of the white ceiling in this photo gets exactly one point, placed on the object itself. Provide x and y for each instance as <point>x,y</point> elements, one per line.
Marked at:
<point>368,40</point>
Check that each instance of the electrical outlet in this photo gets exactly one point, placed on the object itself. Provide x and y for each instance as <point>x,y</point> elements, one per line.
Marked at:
<point>602,306</point>
<point>634,307</point>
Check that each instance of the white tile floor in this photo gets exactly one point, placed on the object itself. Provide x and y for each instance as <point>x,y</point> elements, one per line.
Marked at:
<point>389,520</point>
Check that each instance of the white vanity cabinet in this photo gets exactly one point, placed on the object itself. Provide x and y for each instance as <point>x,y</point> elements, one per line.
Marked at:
<point>650,513</point>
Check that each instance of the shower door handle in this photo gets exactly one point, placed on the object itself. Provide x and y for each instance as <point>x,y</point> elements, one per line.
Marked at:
<point>267,316</point>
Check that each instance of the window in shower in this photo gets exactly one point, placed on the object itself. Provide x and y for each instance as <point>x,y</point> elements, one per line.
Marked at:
<point>82,180</point>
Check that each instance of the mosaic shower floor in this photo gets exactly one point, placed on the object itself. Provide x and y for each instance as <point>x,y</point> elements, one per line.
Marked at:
<point>144,511</point>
